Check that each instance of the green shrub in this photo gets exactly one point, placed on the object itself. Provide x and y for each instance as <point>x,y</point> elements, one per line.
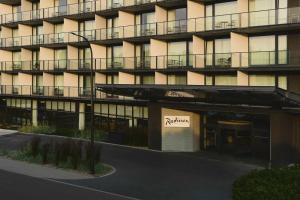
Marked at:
<point>45,152</point>
<point>274,184</point>
<point>34,146</point>
<point>41,129</point>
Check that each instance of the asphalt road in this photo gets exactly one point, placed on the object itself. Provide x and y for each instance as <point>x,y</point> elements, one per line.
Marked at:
<point>16,187</point>
<point>143,175</point>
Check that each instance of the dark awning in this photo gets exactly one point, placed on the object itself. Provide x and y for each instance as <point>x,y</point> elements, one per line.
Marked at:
<point>234,95</point>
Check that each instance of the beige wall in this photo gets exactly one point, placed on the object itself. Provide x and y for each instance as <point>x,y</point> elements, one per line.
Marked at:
<point>47,55</point>
<point>6,79</point>
<point>46,3</point>
<point>6,32</point>
<point>70,85</point>
<point>195,10</point>
<point>242,79</point>
<point>25,32</point>
<point>100,55</point>
<point>158,48</point>
<point>128,53</point>
<point>240,48</point>
<point>160,79</point>
<point>181,139</point>
<point>25,5</point>
<point>5,55</point>
<point>48,80</point>
<point>198,51</point>
<point>48,28</point>
<point>126,20</point>
<point>5,9</point>
<point>70,26</point>
<point>243,8</point>
<point>194,78</point>
<point>125,78</point>
<point>25,81</point>
<point>100,22</point>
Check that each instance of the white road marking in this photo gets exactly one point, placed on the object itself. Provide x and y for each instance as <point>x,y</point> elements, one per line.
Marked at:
<point>92,189</point>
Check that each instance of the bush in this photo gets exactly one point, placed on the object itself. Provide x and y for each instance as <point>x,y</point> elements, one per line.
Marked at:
<point>45,152</point>
<point>274,184</point>
<point>34,146</point>
<point>57,152</point>
<point>41,129</point>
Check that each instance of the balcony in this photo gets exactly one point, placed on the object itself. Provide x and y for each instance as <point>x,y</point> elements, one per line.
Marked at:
<point>228,60</point>
<point>54,92</point>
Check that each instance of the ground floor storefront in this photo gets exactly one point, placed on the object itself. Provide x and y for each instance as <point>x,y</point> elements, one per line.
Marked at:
<point>259,132</point>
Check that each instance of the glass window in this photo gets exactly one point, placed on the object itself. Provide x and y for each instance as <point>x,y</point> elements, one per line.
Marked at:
<point>177,48</point>
<point>282,82</point>
<point>262,50</point>
<point>177,80</point>
<point>261,80</point>
<point>225,80</point>
<point>148,79</point>
<point>226,8</point>
<point>255,5</point>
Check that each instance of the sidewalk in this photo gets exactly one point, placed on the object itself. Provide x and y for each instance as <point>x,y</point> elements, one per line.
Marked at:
<point>4,132</point>
<point>40,171</point>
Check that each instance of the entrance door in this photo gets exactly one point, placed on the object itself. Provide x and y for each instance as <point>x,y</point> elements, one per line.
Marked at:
<point>234,137</point>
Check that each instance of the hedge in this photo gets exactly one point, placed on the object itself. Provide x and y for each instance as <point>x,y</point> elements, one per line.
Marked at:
<point>273,184</point>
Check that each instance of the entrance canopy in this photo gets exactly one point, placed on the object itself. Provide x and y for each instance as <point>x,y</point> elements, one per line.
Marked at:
<point>232,95</point>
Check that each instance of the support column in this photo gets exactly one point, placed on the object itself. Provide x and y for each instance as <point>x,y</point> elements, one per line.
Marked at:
<point>34,113</point>
<point>81,122</point>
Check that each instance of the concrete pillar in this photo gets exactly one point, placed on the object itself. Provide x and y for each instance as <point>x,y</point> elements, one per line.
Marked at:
<point>34,113</point>
<point>81,122</point>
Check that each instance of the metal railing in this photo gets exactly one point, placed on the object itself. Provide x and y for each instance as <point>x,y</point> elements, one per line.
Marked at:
<point>216,60</point>
<point>53,92</point>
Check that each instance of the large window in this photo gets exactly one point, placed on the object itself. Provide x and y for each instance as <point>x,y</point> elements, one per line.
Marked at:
<point>115,57</point>
<point>268,80</point>
<point>262,12</point>
<point>265,51</point>
<point>145,24</point>
<point>180,54</point>
<point>142,53</point>
<point>218,52</point>
<point>220,16</point>
<point>86,28</point>
<point>176,79</point>
<point>177,20</point>
<point>60,58</point>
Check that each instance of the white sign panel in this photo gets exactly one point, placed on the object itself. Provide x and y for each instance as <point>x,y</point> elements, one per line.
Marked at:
<point>177,121</point>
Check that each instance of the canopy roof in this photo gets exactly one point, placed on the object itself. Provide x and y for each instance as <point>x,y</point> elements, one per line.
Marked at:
<point>233,95</point>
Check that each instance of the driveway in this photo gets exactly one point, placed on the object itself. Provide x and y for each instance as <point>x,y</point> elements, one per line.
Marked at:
<point>154,175</point>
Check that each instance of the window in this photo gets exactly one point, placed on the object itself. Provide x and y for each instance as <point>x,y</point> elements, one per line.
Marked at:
<point>60,57</point>
<point>263,50</point>
<point>115,56</point>
<point>177,79</point>
<point>86,28</point>
<point>225,80</point>
<point>218,52</point>
<point>177,20</point>
<point>145,80</point>
<point>261,80</point>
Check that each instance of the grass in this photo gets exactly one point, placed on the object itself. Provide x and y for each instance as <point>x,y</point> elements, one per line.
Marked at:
<point>26,156</point>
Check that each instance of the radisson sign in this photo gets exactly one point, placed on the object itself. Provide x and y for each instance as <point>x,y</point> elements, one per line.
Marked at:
<point>177,121</point>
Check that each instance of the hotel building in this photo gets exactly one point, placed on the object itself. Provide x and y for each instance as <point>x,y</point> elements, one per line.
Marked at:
<point>176,75</point>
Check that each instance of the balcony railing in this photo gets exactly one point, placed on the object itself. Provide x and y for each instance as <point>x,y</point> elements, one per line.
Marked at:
<point>216,60</point>
<point>53,92</point>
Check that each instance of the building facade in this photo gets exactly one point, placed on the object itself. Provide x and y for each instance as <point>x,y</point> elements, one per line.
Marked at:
<point>179,75</point>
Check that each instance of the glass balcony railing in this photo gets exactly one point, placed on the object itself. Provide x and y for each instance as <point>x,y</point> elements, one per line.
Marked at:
<point>53,92</point>
<point>216,60</point>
